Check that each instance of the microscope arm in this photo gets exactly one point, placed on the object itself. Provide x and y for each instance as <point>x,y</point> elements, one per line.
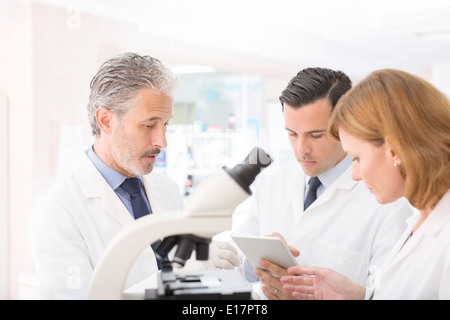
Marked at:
<point>207,213</point>
<point>109,276</point>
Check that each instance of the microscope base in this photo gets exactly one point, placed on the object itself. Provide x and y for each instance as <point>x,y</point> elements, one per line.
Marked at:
<point>204,285</point>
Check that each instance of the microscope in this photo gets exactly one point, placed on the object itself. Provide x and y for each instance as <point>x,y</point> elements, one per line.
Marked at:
<point>207,213</point>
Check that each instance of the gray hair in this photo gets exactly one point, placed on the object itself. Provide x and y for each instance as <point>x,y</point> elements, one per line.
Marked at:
<point>119,78</point>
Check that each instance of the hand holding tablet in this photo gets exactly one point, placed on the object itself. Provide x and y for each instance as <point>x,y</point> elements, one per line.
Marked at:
<point>272,249</point>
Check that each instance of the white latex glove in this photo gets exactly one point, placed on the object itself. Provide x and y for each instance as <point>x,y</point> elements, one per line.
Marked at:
<point>222,255</point>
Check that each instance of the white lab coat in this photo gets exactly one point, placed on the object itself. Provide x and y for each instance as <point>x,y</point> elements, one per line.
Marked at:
<point>71,225</point>
<point>421,269</point>
<point>345,229</point>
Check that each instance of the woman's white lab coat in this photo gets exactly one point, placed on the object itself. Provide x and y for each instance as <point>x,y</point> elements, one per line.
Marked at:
<point>71,225</point>
<point>420,267</point>
<point>345,229</point>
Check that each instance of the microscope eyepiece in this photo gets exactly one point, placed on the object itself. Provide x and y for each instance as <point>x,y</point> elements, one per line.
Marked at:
<point>245,173</point>
<point>215,201</point>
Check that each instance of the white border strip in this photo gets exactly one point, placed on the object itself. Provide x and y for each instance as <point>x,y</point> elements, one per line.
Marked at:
<point>4,195</point>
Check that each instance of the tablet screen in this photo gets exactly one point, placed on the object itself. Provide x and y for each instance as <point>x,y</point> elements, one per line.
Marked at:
<point>272,249</point>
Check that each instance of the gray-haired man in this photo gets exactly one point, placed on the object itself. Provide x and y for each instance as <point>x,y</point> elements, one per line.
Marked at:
<point>130,105</point>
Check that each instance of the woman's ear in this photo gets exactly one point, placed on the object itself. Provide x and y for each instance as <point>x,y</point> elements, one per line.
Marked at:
<point>104,119</point>
<point>391,153</point>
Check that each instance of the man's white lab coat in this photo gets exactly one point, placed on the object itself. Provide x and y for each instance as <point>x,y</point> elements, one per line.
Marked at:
<point>73,223</point>
<point>345,229</point>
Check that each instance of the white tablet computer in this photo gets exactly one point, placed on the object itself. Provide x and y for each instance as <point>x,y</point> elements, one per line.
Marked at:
<point>269,248</point>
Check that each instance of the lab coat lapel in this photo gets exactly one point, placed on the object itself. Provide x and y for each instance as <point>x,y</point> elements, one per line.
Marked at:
<point>432,225</point>
<point>343,182</point>
<point>404,246</point>
<point>153,195</point>
<point>112,205</point>
<point>95,186</point>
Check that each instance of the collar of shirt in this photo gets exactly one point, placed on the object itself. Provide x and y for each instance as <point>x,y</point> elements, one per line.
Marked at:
<point>328,177</point>
<point>111,176</point>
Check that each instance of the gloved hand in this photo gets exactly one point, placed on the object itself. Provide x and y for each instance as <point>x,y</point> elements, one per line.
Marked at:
<point>222,255</point>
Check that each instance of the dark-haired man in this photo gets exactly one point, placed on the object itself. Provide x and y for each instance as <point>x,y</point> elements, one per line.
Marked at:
<point>339,224</point>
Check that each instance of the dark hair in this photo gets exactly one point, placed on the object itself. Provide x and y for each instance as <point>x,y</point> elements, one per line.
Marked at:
<point>312,84</point>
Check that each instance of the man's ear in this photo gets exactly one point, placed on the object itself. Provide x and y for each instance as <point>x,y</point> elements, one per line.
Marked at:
<point>104,119</point>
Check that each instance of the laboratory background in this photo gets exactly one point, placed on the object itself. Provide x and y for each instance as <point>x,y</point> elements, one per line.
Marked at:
<point>233,59</point>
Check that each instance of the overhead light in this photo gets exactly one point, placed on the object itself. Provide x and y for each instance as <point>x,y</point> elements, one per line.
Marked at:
<point>185,69</point>
<point>442,34</point>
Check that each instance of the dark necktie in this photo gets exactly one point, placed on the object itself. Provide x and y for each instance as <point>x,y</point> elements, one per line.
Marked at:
<point>139,203</point>
<point>314,183</point>
<point>138,199</point>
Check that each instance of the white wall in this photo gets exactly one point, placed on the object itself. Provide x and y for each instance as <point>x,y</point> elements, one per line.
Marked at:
<point>440,77</point>
<point>16,85</point>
